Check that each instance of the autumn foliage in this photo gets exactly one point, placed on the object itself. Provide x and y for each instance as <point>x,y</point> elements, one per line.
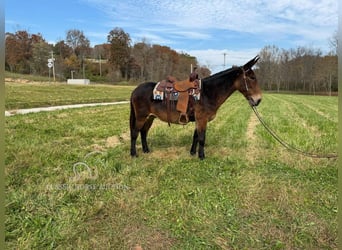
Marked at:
<point>114,61</point>
<point>301,69</point>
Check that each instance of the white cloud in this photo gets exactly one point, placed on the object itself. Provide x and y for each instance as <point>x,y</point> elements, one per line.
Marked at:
<point>283,16</point>
<point>150,36</point>
<point>214,59</point>
<point>202,23</point>
<point>96,37</point>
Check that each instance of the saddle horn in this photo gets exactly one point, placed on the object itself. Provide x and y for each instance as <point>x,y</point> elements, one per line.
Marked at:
<point>193,76</point>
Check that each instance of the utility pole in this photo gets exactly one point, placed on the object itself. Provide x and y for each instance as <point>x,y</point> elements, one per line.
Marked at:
<point>53,67</point>
<point>330,84</point>
<point>83,67</point>
<point>224,60</point>
<point>100,65</point>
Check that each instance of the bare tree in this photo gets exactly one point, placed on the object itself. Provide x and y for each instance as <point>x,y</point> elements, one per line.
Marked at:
<point>140,52</point>
<point>300,69</point>
<point>78,42</point>
<point>333,42</point>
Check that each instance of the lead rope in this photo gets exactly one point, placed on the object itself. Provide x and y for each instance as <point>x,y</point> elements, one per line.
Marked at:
<point>288,146</point>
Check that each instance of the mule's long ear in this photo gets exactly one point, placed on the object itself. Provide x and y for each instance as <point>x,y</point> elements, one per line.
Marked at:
<point>251,63</point>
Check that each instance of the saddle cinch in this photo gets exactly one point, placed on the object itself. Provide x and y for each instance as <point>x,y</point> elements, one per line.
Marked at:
<point>172,90</point>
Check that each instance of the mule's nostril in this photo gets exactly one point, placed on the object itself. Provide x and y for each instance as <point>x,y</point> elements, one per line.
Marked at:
<point>257,102</point>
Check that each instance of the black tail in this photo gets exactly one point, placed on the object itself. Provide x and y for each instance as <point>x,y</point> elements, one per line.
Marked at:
<point>132,119</point>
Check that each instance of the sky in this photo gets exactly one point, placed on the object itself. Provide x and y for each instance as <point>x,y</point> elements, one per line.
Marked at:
<point>219,33</point>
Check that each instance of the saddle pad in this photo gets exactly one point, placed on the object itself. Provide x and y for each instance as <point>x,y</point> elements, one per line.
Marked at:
<point>159,95</point>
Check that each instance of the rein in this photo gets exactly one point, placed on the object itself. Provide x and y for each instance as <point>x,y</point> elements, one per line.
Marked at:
<point>288,146</point>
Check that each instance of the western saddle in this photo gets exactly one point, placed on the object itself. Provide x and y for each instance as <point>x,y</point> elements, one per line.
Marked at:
<point>170,86</point>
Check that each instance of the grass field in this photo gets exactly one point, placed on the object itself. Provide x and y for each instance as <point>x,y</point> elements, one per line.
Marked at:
<point>71,184</point>
<point>30,95</point>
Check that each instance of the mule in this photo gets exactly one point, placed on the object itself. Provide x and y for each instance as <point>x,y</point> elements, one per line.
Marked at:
<point>214,92</point>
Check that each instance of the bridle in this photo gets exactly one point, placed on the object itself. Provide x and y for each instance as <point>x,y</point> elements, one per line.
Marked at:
<point>245,78</point>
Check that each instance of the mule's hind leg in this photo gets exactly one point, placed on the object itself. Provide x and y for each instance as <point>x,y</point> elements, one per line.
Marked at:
<point>136,124</point>
<point>143,133</point>
<point>134,136</point>
<point>135,133</point>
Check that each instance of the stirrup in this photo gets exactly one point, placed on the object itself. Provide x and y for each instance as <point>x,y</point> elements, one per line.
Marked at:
<point>183,119</point>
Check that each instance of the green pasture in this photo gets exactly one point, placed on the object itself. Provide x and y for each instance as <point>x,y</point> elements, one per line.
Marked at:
<point>71,184</point>
<point>30,95</point>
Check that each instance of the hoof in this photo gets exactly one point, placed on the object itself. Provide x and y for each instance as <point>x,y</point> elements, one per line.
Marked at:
<point>201,156</point>
<point>134,155</point>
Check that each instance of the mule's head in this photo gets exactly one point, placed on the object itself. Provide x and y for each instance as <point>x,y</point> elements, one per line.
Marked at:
<point>247,83</point>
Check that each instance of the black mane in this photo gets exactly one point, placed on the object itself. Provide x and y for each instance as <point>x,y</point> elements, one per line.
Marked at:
<point>221,73</point>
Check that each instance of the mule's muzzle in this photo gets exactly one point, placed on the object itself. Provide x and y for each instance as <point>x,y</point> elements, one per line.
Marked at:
<point>254,102</point>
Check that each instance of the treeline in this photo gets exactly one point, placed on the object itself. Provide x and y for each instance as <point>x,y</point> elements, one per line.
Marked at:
<point>117,60</point>
<point>301,70</point>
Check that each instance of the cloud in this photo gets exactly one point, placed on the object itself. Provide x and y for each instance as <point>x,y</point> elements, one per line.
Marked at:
<point>204,28</point>
<point>96,37</point>
<point>152,37</point>
<point>215,59</point>
<point>197,18</point>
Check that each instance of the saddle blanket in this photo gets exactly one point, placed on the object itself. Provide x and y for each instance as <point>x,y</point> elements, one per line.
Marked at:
<point>160,95</point>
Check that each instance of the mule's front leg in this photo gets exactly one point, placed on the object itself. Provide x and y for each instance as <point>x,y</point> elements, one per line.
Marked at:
<point>194,143</point>
<point>144,142</point>
<point>199,135</point>
<point>201,142</point>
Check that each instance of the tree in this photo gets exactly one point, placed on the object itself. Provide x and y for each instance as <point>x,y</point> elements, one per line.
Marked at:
<point>101,51</point>
<point>140,52</point>
<point>334,44</point>
<point>203,71</point>
<point>268,66</point>
<point>183,65</point>
<point>78,42</point>
<point>11,57</point>
<point>120,50</point>
<point>300,69</point>
<point>80,46</point>
<point>72,64</point>
<point>19,50</point>
<point>40,54</point>
<point>62,50</point>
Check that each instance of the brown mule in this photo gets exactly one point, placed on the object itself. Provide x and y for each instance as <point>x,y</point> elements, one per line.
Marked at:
<point>214,92</point>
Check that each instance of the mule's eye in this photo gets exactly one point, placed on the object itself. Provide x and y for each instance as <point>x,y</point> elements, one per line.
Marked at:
<point>252,78</point>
